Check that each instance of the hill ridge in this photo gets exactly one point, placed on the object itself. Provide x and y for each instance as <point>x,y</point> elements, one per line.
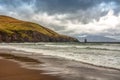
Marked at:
<point>14,30</point>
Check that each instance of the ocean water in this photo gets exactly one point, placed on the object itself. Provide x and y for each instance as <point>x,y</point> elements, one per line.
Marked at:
<point>100,54</point>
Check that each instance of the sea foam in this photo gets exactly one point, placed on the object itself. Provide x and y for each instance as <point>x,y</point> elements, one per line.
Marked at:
<point>107,55</point>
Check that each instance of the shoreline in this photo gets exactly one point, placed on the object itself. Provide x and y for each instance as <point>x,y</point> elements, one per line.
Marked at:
<point>24,58</point>
<point>99,66</point>
<point>21,58</point>
<point>83,71</point>
<point>11,70</point>
<point>14,49</point>
<point>32,53</point>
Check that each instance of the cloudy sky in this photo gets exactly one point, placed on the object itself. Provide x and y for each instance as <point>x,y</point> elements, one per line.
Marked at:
<point>71,17</point>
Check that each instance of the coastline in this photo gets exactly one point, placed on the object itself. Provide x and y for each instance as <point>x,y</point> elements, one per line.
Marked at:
<point>23,58</point>
<point>10,70</point>
<point>69,70</point>
<point>92,59</point>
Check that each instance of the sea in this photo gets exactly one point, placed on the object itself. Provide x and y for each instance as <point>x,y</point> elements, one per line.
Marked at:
<point>76,60</point>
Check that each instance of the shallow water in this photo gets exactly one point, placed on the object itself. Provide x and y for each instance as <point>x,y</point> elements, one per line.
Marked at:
<point>65,60</point>
<point>98,54</point>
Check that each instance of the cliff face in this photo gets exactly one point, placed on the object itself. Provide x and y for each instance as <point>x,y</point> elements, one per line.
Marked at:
<point>13,30</point>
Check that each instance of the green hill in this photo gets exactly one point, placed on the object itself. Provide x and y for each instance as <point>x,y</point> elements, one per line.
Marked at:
<point>14,30</point>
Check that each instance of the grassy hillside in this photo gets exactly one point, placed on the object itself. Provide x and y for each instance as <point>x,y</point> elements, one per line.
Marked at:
<point>17,30</point>
<point>8,24</point>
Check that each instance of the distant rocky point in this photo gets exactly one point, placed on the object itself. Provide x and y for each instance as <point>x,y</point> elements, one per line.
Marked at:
<point>96,38</point>
<point>14,30</point>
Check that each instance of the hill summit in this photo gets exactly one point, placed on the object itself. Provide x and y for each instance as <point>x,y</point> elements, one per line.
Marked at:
<point>14,30</point>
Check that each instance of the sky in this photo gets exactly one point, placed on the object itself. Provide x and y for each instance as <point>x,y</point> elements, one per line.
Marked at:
<point>69,17</point>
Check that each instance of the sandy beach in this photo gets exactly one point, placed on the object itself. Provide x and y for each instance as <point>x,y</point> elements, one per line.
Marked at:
<point>54,69</point>
<point>12,71</point>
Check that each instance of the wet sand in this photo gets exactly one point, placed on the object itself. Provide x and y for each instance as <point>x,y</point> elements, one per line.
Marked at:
<point>65,69</point>
<point>13,71</point>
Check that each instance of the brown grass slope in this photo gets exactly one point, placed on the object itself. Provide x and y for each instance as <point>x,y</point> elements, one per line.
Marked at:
<point>14,30</point>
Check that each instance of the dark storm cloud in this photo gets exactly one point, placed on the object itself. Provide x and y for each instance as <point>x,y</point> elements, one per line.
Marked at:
<point>66,16</point>
<point>68,6</point>
<point>63,6</point>
<point>53,5</point>
<point>57,6</point>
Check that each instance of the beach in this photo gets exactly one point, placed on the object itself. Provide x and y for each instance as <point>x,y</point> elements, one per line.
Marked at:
<point>10,70</point>
<point>29,65</point>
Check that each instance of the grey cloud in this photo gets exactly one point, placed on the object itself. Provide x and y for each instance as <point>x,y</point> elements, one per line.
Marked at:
<point>63,6</point>
<point>69,6</point>
<point>57,6</point>
<point>76,11</point>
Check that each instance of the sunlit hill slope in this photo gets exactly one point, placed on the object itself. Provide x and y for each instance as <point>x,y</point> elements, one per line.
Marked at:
<point>14,30</point>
